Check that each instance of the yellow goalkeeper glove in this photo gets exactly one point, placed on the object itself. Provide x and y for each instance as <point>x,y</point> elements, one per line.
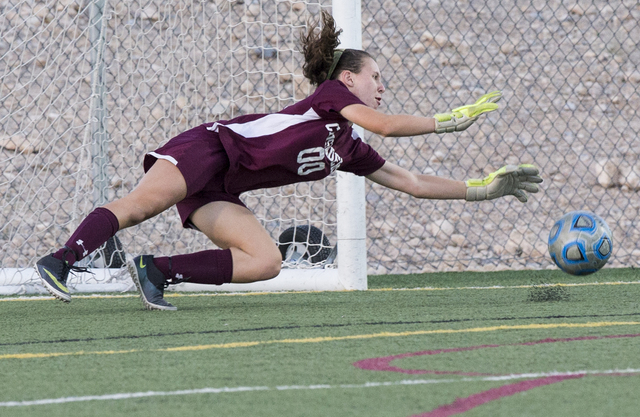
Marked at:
<point>461,118</point>
<point>508,180</point>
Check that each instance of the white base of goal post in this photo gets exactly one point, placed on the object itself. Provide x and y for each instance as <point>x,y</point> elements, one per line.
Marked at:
<point>287,280</point>
<point>15,281</point>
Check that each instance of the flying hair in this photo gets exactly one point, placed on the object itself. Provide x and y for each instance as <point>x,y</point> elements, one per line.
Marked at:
<point>319,48</point>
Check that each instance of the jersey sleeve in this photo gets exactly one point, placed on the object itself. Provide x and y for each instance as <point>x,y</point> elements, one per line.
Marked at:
<point>332,98</point>
<point>361,159</point>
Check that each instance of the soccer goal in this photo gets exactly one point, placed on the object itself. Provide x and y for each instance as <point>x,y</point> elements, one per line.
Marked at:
<point>88,86</point>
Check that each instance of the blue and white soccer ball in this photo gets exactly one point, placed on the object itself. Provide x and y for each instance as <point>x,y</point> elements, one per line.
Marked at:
<point>580,243</point>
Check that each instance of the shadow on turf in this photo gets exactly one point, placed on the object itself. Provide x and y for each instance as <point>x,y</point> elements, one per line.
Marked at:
<point>541,293</point>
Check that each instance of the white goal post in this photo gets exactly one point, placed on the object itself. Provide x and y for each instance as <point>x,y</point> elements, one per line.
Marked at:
<point>89,86</point>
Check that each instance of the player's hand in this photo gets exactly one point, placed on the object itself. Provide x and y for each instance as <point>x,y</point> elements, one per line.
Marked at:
<point>508,180</point>
<point>461,118</point>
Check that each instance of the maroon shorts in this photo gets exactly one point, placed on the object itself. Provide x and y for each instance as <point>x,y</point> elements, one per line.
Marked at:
<point>203,162</point>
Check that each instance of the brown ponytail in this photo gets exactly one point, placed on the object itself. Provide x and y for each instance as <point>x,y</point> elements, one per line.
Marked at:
<point>319,48</point>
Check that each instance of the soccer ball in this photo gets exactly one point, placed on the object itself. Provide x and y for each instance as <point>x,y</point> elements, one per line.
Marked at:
<point>580,243</point>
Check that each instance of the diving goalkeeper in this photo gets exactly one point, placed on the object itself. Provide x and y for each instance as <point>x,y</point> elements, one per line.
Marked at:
<point>204,170</point>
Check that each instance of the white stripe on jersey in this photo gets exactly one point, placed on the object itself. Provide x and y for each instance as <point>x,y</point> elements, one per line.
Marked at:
<point>269,124</point>
<point>167,157</point>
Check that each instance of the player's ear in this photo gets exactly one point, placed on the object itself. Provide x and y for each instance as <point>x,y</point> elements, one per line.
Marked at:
<point>347,78</point>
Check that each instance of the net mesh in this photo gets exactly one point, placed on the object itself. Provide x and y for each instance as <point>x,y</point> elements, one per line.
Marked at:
<point>570,80</point>
<point>89,87</point>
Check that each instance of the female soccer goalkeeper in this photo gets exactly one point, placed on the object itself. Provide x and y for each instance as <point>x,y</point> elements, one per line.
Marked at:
<point>204,170</point>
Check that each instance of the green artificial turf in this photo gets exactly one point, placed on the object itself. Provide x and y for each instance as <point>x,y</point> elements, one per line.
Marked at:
<point>293,354</point>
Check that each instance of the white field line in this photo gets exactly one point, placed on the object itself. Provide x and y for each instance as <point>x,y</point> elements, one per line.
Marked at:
<point>249,293</point>
<point>132,395</point>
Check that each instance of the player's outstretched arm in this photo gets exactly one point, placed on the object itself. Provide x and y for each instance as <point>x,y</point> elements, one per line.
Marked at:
<point>418,185</point>
<point>508,180</point>
<point>456,120</point>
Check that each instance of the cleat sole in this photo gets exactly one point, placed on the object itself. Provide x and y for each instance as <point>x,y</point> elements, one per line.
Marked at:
<point>66,298</point>
<point>133,271</point>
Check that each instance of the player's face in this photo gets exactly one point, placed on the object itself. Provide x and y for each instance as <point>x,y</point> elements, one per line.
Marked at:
<point>367,84</point>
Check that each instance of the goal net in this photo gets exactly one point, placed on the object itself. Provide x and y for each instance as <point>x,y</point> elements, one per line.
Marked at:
<point>87,87</point>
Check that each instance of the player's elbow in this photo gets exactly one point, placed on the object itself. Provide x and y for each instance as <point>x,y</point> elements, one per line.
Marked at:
<point>421,186</point>
<point>382,129</point>
<point>387,128</point>
<point>415,191</point>
<point>413,187</point>
<point>384,125</point>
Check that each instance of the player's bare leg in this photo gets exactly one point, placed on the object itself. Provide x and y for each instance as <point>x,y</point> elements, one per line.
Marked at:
<point>160,188</point>
<point>230,226</point>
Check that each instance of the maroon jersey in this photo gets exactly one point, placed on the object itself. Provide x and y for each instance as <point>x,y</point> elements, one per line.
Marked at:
<point>306,141</point>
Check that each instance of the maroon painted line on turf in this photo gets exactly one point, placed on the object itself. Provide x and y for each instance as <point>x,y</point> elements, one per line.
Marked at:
<point>574,339</point>
<point>384,363</point>
<point>462,405</point>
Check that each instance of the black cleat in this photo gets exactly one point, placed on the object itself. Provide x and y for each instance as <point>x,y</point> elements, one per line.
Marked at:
<point>54,273</point>
<point>150,282</point>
